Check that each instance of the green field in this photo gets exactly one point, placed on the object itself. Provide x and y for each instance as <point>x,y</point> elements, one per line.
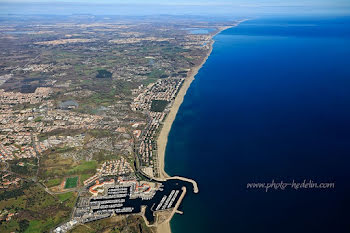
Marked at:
<point>71,182</point>
<point>85,167</point>
<point>53,182</point>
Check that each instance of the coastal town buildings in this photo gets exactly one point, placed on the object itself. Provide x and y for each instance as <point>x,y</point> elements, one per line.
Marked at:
<point>111,168</point>
<point>164,92</point>
<point>82,103</point>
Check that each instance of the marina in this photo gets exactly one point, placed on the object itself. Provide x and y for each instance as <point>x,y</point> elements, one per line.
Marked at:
<point>116,195</point>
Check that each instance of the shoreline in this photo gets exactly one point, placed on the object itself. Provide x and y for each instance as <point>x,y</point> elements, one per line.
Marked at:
<point>164,132</point>
<point>162,139</point>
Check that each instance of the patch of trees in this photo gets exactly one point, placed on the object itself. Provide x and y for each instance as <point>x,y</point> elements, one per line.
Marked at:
<point>103,74</point>
<point>28,169</point>
<point>15,193</point>
<point>23,225</point>
<point>159,105</point>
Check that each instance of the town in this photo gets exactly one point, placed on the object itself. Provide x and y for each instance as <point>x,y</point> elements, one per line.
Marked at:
<point>82,104</point>
<point>154,101</point>
<point>125,195</point>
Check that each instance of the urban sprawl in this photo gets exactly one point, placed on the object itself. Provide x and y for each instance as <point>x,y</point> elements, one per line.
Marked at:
<point>82,102</point>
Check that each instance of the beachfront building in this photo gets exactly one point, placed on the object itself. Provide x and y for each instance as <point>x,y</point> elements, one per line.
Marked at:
<point>154,101</point>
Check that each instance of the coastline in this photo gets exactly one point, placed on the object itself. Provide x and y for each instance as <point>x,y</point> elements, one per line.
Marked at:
<point>165,130</point>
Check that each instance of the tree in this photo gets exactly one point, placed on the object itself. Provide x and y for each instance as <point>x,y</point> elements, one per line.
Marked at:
<point>23,225</point>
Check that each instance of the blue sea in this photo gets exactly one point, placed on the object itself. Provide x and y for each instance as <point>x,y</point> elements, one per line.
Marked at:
<point>272,102</point>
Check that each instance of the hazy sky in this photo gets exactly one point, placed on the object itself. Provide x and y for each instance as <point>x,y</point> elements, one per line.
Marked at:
<point>184,1</point>
<point>219,7</point>
<point>201,2</point>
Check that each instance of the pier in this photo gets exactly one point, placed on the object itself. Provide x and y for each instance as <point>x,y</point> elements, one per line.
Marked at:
<point>194,183</point>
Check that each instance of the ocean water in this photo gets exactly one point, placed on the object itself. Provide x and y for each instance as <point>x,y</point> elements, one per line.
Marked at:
<point>272,102</point>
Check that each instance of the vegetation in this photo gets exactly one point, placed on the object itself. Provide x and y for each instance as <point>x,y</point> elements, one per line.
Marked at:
<point>132,224</point>
<point>157,73</point>
<point>100,133</point>
<point>53,167</point>
<point>71,182</point>
<point>53,182</point>
<point>87,166</point>
<point>16,192</point>
<point>103,155</point>
<point>38,119</point>
<point>65,196</point>
<point>159,105</point>
<point>148,81</point>
<point>23,225</point>
<point>103,74</point>
<point>84,177</point>
<point>36,210</point>
<point>68,199</point>
<point>63,149</point>
<point>59,132</point>
<point>25,167</point>
<point>84,77</point>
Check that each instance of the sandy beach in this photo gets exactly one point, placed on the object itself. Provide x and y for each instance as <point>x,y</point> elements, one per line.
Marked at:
<point>163,136</point>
